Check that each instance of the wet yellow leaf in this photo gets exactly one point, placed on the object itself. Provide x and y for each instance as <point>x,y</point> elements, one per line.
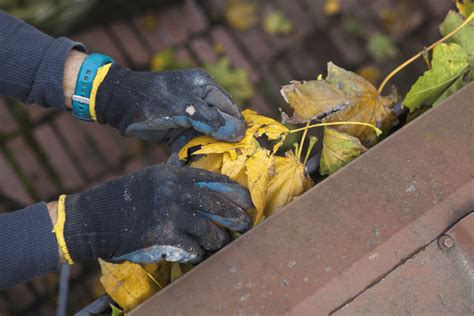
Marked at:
<point>338,150</point>
<point>242,14</point>
<point>211,162</point>
<point>260,125</point>
<point>288,181</point>
<point>257,126</point>
<point>160,272</point>
<point>127,283</point>
<point>332,7</point>
<point>178,270</point>
<point>342,96</point>
<point>233,167</point>
<point>258,174</point>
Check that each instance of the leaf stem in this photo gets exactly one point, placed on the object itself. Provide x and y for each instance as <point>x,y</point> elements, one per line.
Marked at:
<point>376,129</point>
<point>412,59</point>
<point>300,150</point>
<point>312,142</point>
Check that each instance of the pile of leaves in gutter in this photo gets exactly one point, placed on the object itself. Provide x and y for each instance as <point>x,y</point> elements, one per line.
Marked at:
<point>353,113</point>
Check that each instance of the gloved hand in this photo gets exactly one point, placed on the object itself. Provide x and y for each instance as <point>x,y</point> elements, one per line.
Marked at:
<point>161,212</point>
<point>151,105</point>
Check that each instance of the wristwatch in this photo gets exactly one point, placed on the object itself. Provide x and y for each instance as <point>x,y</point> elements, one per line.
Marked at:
<point>85,78</point>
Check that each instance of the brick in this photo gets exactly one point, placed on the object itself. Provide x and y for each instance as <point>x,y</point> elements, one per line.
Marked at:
<point>37,113</point>
<point>109,142</point>
<point>97,40</point>
<point>347,46</point>
<point>316,9</point>
<point>20,296</point>
<point>221,35</point>
<point>35,172</point>
<point>48,309</point>
<point>271,83</point>
<point>259,104</point>
<point>8,123</point>
<point>11,186</point>
<point>304,64</point>
<point>283,71</point>
<point>135,165</point>
<point>296,13</point>
<point>193,17</point>
<point>159,153</point>
<point>301,21</point>
<point>171,21</point>
<point>203,51</point>
<point>156,39</point>
<point>58,158</point>
<point>216,8</point>
<point>256,43</point>
<point>183,54</point>
<point>130,43</point>
<point>79,143</point>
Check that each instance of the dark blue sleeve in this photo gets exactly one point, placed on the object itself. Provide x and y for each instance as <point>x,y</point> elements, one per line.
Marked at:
<point>28,248</point>
<point>32,63</point>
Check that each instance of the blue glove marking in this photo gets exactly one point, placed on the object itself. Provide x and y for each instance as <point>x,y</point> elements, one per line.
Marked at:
<point>233,129</point>
<point>241,224</point>
<point>202,127</point>
<point>215,186</point>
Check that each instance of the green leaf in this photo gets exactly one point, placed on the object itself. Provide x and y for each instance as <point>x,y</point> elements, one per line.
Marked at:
<point>277,23</point>
<point>167,60</point>
<point>449,62</point>
<point>338,150</point>
<point>233,80</point>
<point>465,7</point>
<point>464,37</point>
<point>116,311</point>
<point>381,48</point>
<point>457,85</point>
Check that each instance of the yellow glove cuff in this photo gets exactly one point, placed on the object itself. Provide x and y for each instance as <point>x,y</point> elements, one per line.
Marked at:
<point>58,229</point>
<point>99,77</point>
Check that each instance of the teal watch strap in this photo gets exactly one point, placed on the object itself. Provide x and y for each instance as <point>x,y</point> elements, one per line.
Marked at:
<point>87,73</point>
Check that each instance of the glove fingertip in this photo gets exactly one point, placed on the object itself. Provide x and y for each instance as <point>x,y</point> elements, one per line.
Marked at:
<point>233,129</point>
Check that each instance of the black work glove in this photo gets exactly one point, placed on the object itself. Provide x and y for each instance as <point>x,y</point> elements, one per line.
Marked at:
<point>151,105</point>
<point>161,212</point>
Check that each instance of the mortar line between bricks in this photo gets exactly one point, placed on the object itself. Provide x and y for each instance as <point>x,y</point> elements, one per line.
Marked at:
<point>400,263</point>
<point>18,172</point>
<point>68,151</point>
<point>141,39</point>
<point>26,131</point>
<point>118,44</point>
<point>95,148</point>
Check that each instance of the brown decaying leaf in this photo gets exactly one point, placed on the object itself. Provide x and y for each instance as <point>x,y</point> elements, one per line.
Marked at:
<point>342,96</point>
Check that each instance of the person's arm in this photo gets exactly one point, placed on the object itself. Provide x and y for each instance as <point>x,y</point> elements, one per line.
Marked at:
<point>154,106</point>
<point>27,247</point>
<point>33,64</point>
